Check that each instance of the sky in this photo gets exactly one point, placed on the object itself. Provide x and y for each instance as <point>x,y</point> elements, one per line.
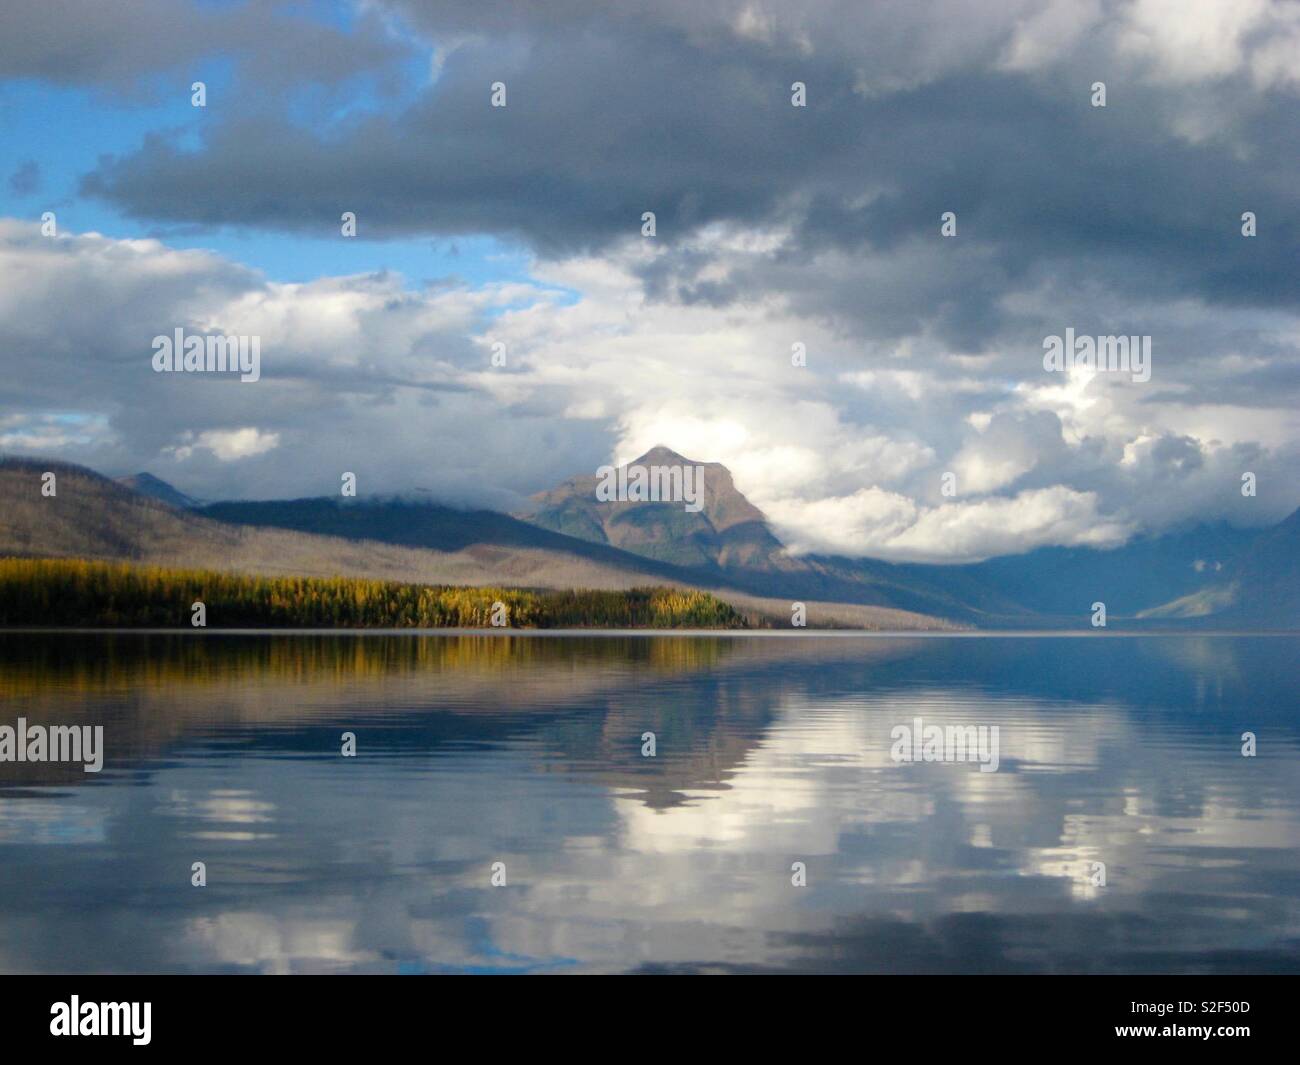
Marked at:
<point>922,424</point>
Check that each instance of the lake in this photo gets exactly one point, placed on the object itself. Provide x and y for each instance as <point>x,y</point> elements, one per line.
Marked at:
<point>773,829</point>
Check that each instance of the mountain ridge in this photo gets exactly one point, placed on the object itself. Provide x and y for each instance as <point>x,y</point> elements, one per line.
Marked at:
<point>96,518</point>
<point>1201,576</point>
<point>155,487</point>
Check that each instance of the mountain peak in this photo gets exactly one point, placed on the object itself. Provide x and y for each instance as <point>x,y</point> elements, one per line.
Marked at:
<point>725,530</point>
<point>660,455</point>
<point>156,488</point>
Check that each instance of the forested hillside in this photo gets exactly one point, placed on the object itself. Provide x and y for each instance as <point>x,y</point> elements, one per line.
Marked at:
<point>74,592</point>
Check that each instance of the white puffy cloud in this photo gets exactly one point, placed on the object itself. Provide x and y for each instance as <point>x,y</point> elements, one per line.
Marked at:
<point>887,525</point>
<point>1043,35</point>
<point>228,445</point>
<point>1187,41</point>
<point>979,529</point>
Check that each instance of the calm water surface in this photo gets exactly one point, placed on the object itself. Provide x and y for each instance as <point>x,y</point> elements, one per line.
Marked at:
<point>474,750</point>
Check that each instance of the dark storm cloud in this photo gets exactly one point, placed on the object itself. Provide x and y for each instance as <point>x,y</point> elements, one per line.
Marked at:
<point>121,48</point>
<point>612,115</point>
<point>590,139</point>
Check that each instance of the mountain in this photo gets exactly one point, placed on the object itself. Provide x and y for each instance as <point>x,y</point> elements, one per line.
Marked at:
<point>1206,576</point>
<point>422,525</point>
<point>1259,587</point>
<point>88,516</point>
<point>728,530</point>
<point>1138,576</point>
<point>93,517</point>
<point>156,488</point>
<point>1208,571</point>
<point>728,540</point>
<point>1267,577</point>
<point>487,533</point>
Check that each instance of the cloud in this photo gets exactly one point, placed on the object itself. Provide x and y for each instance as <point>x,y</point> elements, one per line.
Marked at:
<point>366,375</point>
<point>49,433</point>
<point>776,226</point>
<point>128,49</point>
<point>1187,41</point>
<point>359,374</point>
<point>1047,34</point>
<point>887,525</point>
<point>228,445</point>
<point>979,529</point>
<point>914,110</point>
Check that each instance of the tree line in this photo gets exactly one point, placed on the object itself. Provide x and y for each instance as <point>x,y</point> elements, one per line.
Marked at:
<point>79,592</point>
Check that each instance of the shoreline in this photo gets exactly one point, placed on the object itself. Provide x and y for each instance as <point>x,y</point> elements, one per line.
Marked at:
<point>892,634</point>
